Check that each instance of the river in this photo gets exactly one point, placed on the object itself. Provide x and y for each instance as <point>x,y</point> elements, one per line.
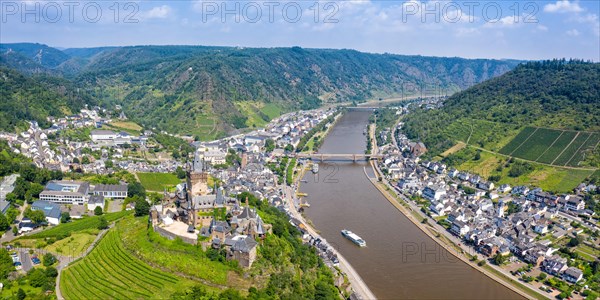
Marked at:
<point>400,261</point>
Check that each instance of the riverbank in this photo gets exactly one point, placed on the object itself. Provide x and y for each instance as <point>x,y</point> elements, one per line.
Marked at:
<point>457,250</point>
<point>356,282</point>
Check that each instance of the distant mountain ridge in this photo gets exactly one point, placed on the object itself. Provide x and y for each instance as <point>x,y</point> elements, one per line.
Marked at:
<point>210,91</point>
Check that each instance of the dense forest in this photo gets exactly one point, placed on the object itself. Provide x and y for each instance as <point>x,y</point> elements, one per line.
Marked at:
<point>556,94</point>
<point>210,91</point>
<point>35,98</point>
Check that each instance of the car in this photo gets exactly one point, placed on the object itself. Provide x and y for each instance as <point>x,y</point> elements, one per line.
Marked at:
<point>36,261</point>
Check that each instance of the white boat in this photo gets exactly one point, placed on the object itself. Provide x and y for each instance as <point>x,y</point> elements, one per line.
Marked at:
<point>354,238</point>
<point>315,168</point>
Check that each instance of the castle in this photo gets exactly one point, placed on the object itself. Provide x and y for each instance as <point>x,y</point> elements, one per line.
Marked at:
<point>215,216</point>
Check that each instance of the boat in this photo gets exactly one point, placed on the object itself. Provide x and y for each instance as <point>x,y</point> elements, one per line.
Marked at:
<point>354,238</point>
<point>315,168</point>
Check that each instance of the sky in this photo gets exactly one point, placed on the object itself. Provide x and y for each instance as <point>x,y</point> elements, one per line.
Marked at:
<point>515,29</point>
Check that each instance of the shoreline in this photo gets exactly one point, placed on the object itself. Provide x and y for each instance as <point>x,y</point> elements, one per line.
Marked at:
<point>444,244</point>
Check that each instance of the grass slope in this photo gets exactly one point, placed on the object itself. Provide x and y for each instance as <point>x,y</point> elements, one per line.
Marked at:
<point>157,182</point>
<point>110,272</point>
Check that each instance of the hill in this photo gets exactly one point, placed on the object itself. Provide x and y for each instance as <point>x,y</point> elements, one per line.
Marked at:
<point>211,91</point>
<point>43,55</point>
<point>545,113</point>
<point>35,98</point>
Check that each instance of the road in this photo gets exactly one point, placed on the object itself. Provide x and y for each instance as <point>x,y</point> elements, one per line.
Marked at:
<point>25,260</point>
<point>591,227</point>
<point>358,285</point>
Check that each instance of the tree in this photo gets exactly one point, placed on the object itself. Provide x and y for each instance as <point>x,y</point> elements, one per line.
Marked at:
<point>35,189</point>
<point>180,173</point>
<point>75,160</point>
<point>11,197</point>
<point>65,217</point>
<point>269,145</point>
<point>499,259</point>
<point>103,223</point>
<point>21,294</point>
<point>108,163</point>
<point>15,230</point>
<point>85,160</point>
<point>289,148</point>
<point>4,225</point>
<point>37,277</point>
<point>142,207</point>
<point>36,216</point>
<point>6,263</point>
<point>51,272</point>
<point>136,189</point>
<point>98,211</point>
<point>11,215</point>
<point>49,259</point>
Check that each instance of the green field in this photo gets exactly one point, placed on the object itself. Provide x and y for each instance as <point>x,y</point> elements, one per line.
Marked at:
<point>572,150</point>
<point>588,253</point>
<point>64,230</point>
<point>559,145</point>
<point>158,182</point>
<point>590,144</point>
<point>109,272</point>
<point>551,146</point>
<point>75,245</point>
<point>517,141</point>
<point>549,178</point>
<point>490,135</point>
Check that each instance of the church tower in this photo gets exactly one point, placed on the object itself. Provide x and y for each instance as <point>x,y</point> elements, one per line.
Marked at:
<point>197,178</point>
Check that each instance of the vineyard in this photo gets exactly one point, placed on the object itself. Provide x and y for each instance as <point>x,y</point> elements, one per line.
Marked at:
<point>109,272</point>
<point>64,230</point>
<point>552,146</point>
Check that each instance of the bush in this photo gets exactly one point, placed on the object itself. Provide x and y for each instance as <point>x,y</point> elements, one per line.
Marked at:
<point>103,223</point>
<point>49,259</point>
<point>98,211</point>
<point>482,263</point>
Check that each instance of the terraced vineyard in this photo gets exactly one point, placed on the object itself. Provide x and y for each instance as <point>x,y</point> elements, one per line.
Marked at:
<point>109,272</point>
<point>552,146</point>
<point>64,230</point>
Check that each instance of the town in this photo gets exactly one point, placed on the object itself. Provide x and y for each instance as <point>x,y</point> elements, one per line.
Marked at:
<point>547,241</point>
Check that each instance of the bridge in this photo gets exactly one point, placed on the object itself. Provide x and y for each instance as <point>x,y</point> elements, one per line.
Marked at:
<point>338,156</point>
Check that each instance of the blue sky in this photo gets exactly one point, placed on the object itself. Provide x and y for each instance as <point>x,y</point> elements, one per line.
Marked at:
<point>473,29</point>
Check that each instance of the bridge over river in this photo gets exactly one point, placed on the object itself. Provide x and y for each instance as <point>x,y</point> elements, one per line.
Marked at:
<point>338,156</point>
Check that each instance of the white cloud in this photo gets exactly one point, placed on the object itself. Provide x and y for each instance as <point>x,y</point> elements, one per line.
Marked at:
<point>468,32</point>
<point>573,32</point>
<point>563,6</point>
<point>158,12</point>
<point>506,22</point>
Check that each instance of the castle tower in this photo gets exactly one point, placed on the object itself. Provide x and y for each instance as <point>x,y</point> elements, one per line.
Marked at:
<point>197,178</point>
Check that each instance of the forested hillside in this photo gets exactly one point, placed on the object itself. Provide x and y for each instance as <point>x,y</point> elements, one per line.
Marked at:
<point>35,98</point>
<point>210,91</point>
<point>557,94</point>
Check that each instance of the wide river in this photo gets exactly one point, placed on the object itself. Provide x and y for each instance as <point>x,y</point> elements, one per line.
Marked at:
<point>400,261</point>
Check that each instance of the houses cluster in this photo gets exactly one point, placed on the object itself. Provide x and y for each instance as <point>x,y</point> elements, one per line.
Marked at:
<point>494,219</point>
<point>110,139</point>
<point>74,197</point>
